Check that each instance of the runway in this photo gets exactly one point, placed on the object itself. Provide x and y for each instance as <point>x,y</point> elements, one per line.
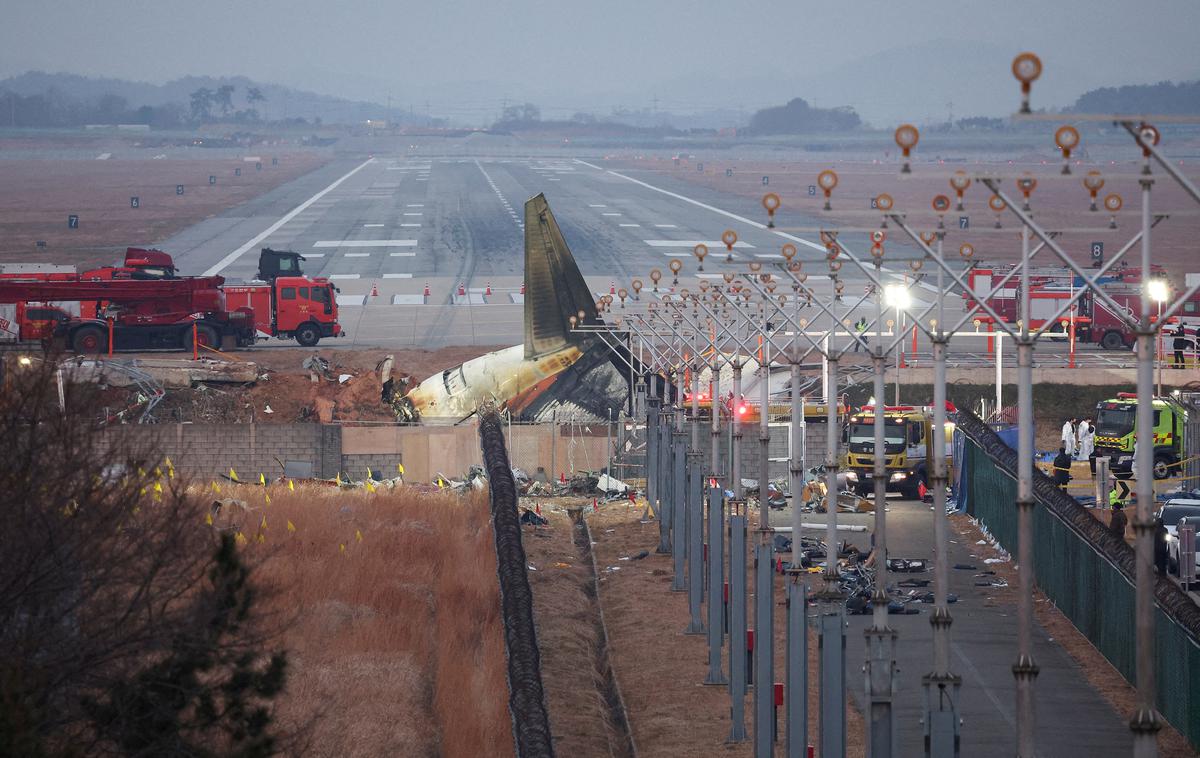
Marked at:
<point>428,251</point>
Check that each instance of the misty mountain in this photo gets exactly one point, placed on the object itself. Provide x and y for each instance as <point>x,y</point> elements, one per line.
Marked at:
<point>281,102</point>
<point>1181,98</point>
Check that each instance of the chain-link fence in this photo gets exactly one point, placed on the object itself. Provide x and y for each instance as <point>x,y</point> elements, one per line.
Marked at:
<point>1087,573</point>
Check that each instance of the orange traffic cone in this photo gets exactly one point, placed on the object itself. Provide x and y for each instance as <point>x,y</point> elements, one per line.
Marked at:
<point>374,289</point>
<point>522,288</point>
<point>488,290</point>
<point>595,505</point>
<point>462,289</point>
<point>612,287</point>
<point>538,508</point>
<point>426,289</point>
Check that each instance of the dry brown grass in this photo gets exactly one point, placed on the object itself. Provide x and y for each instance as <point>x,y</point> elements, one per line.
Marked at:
<point>395,634</point>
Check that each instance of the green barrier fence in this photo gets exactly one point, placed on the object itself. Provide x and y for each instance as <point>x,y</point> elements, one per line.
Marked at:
<point>1088,575</point>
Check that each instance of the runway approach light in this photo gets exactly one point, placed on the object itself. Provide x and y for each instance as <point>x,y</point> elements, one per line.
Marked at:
<point>1067,138</point>
<point>1093,182</point>
<point>1027,67</point>
<point>1158,290</point>
<point>897,296</point>
<point>906,137</point>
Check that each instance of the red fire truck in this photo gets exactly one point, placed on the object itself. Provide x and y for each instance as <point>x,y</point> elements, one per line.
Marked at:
<point>143,305</point>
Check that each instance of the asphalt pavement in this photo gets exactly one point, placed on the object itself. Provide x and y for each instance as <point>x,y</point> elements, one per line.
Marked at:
<point>1072,718</point>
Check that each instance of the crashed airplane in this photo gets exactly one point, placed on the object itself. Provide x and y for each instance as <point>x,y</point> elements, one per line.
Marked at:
<point>556,372</point>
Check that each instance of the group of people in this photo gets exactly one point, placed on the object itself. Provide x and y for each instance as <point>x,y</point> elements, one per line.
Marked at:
<point>1079,439</point>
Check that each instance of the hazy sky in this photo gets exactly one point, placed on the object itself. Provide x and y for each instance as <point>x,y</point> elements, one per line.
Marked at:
<point>466,55</point>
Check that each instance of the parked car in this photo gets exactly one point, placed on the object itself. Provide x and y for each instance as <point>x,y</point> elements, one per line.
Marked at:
<point>1170,513</point>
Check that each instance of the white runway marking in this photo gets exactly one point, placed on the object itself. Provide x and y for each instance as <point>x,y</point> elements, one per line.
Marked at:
<point>630,225</point>
<point>728,214</point>
<point>343,276</point>
<point>253,242</point>
<point>418,226</point>
<point>712,244</point>
<point>314,255</point>
<point>414,213</point>
<point>397,276</point>
<point>597,205</point>
<point>402,255</point>
<point>415,205</point>
<point>372,226</point>
<point>664,226</point>
<point>408,299</point>
<point>358,255</point>
<point>365,243</point>
<point>610,214</point>
<point>589,165</point>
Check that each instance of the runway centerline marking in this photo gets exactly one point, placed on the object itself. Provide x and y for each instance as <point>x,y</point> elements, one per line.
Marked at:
<point>630,225</point>
<point>664,226</point>
<point>365,243</point>
<point>415,213</point>
<point>402,255</point>
<point>415,205</point>
<point>372,226</point>
<point>224,262</point>
<point>358,255</point>
<point>397,276</point>
<point>418,226</point>
<point>343,276</point>
<point>610,214</point>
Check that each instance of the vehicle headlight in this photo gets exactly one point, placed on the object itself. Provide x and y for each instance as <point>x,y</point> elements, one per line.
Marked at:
<point>899,476</point>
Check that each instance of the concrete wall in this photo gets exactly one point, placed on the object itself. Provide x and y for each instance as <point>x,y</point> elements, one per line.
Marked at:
<point>205,451</point>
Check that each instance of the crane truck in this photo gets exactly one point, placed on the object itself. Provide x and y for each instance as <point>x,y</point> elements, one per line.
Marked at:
<point>145,305</point>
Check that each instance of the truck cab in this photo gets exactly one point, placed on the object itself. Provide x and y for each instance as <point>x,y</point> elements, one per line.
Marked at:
<point>290,307</point>
<point>1116,432</point>
<point>908,436</point>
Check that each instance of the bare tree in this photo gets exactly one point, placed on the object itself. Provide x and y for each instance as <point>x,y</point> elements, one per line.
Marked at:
<point>128,626</point>
<point>201,104</point>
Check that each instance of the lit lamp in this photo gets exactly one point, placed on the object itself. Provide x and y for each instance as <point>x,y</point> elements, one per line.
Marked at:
<point>897,296</point>
<point>1159,291</point>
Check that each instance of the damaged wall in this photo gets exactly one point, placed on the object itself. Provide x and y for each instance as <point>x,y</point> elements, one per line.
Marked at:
<point>205,451</point>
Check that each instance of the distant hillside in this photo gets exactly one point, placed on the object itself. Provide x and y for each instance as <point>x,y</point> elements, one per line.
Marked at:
<point>798,117</point>
<point>272,103</point>
<point>1181,98</point>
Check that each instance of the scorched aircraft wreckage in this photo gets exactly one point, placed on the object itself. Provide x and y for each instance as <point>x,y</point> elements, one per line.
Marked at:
<point>556,371</point>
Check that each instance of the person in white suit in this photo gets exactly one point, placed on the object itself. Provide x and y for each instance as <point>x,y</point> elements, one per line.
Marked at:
<point>1087,440</point>
<point>1068,436</point>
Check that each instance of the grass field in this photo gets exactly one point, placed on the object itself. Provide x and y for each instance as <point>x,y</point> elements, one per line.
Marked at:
<point>391,604</point>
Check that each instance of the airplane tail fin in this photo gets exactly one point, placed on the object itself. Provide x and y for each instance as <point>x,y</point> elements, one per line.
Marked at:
<point>554,288</point>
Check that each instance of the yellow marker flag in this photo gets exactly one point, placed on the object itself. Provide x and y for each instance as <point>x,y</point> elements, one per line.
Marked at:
<point>370,487</point>
<point>369,476</point>
<point>358,535</point>
<point>291,486</point>
<point>170,473</point>
<point>158,486</point>
<point>142,491</point>
<point>167,460</point>
<point>260,538</point>
<point>141,472</point>
<point>233,474</point>
<point>158,472</point>
<point>240,538</point>
<point>291,526</point>
<point>342,546</point>
<point>262,480</point>
<point>338,479</point>
<point>267,495</point>
<point>263,523</point>
<point>215,488</point>
<point>400,468</point>
<point>208,519</point>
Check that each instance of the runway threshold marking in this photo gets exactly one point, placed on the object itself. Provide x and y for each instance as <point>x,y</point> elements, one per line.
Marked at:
<point>253,242</point>
<point>693,243</point>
